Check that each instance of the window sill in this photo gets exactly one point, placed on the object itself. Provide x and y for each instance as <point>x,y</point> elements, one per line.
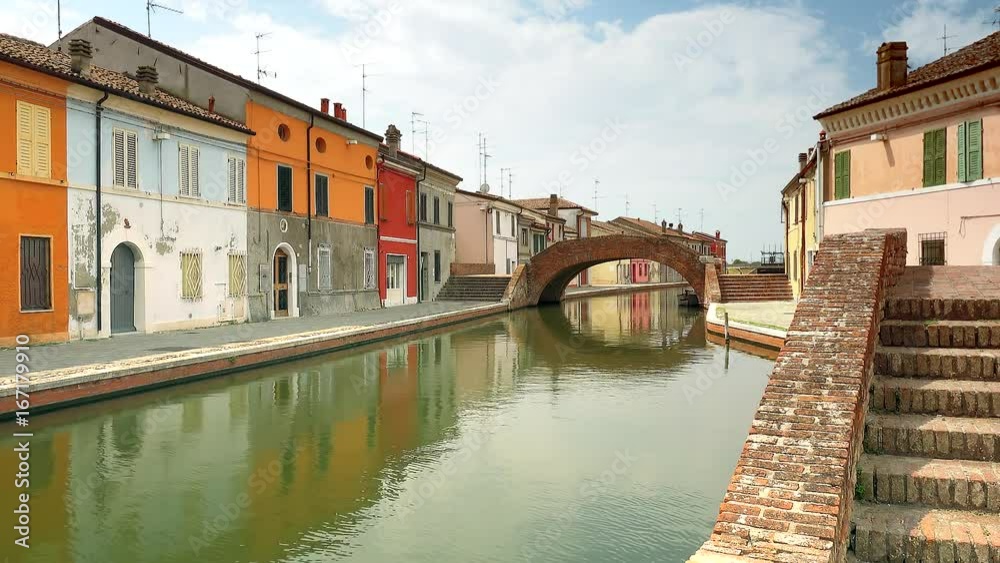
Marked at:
<point>36,311</point>
<point>36,179</point>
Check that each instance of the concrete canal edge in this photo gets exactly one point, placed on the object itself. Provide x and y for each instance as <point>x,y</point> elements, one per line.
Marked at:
<point>622,289</point>
<point>791,493</point>
<point>64,387</point>
<point>771,338</point>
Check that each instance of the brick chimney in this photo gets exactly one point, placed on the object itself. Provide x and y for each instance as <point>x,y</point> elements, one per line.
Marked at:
<point>892,65</point>
<point>81,54</point>
<point>680,227</point>
<point>671,226</point>
<point>324,105</point>
<point>718,234</point>
<point>211,104</point>
<point>393,137</point>
<point>553,205</point>
<point>803,159</point>
<point>147,77</point>
<point>663,226</point>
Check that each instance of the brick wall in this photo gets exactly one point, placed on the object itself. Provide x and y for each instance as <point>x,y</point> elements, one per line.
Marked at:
<point>789,498</point>
<point>471,269</point>
<point>713,292</point>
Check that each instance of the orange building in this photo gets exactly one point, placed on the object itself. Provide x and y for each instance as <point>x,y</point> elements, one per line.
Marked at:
<point>33,293</point>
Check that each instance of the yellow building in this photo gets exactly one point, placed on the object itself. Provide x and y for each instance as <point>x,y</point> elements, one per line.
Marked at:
<point>798,213</point>
<point>609,273</point>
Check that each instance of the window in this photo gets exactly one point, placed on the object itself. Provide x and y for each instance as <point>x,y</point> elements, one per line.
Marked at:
<point>324,267</point>
<point>188,174</point>
<point>932,248</point>
<point>513,227</point>
<point>320,144</point>
<point>125,155</point>
<point>524,237</point>
<point>36,273</point>
<point>934,157</point>
<point>322,187</point>
<point>437,211</point>
<point>451,215</point>
<point>237,180</point>
<point>369,269</point>
<point>496,220</point>
<point>34,140</point>
<point>284,133</point>
<point>284,188</point>
<point>539,243</point>
<point>437,266</point>
<point>423,207</point>
<point>237,275</point>
<point>191,274</point>
<point>369,205</point>
<point>970,151</point>
<point>842,175</point>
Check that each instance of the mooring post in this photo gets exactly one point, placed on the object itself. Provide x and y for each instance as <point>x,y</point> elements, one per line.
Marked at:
<point>727,325</point>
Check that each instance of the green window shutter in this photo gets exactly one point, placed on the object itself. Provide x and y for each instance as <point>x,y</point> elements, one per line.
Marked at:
<point>940,156</point>
<point>962,154</point>
<point>974,158</point>
<point>284,188</point>
<point>842,175</point>
<point>929,141</point>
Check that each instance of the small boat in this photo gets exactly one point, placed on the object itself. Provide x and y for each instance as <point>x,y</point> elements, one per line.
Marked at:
<point>688,299</point>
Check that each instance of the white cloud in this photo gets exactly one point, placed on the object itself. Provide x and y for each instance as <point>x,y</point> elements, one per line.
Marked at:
<point>921,23</point>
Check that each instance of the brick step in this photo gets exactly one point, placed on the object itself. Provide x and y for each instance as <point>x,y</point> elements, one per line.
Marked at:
<point>943,437</point>
<point>938,483</point>
<point>957,334</point>
<point>950,363</point>
<point>946,397</point>
<point>731,299</point>
<point>923,535</point>
<point>756,293</point>
<point>928,309</point>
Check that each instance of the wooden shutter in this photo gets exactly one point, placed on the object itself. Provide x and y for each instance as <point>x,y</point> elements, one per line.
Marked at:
<point>132,157</point>
<point>36,274</point>
<point>118,140</point>
<point>241,183</point>
<point>842,175</point>
<point>233,190</point>
<point>25,139</point>
<point>184,170</point>
<point>929,158</point>
<point>934,157</point>
<point>284,188</point>
<point>974,142</point>
<point>42,140</point>
<point>963,168</point>
<point>369,204</point>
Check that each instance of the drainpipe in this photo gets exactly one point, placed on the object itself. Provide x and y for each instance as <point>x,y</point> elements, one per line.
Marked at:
<point>420,278</point>
<point>97,181</point>
<point>309,199</point>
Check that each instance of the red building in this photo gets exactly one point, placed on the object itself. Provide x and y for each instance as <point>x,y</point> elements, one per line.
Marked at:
<point>397,225</point>
<point>640,270</point>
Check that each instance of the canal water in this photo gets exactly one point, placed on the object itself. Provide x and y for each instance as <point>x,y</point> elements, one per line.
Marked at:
<point>604,429</point>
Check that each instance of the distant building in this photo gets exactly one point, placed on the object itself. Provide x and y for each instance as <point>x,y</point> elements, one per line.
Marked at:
<point>798,213</point>
<point>577,220</point>
<point>397,221</point>
<point>920,150</point>
<point>436,232</point>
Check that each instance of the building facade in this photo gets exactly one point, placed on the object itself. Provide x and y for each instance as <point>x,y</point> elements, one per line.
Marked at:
<point>577,221</point>
<point>920,150</point>
<point>397,221</point>
<point>436,230</point>
<point>798,213</point>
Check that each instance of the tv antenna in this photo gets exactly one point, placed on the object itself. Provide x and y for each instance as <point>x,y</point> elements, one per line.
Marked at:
<point>507,172</point>
<point>261,72</point>
<point>656,214</point>
<point>364,91</point>
<point>414,120</point>
<point>945,37</point>
<point>680,216</point>
<point>996,17</point>
<point>596,197</point>
<point>151,7</point>
<point>626,205</point>
<point>484,157</point>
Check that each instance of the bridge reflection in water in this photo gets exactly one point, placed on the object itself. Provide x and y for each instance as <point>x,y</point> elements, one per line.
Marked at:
<point>602,429</point>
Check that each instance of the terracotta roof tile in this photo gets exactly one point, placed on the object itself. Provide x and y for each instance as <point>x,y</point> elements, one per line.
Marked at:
<point>543,203</point>
<point>29,54</point>
<point>981,55</point>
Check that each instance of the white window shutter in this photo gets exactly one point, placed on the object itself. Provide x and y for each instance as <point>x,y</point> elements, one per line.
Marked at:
<point>183,172</point>
<point>193,156</point>
<point>25,139</point>
<point>232,181</point>
<point>132,153</point>
<point>119,157</point>
<point>241,184</point>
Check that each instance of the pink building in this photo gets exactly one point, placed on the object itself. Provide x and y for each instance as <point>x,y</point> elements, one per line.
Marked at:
<point>921,150</point>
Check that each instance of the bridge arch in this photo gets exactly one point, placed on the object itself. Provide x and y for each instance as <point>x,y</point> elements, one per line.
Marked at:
<point>545,278</point>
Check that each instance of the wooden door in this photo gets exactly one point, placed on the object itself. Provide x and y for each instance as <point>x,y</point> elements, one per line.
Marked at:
<point>281,274</point>
<point>122,290</point>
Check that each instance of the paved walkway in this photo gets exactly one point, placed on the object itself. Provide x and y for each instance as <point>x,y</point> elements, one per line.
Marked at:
<point>87,352</point>
<point>949,282</point>
<point>768,314</point>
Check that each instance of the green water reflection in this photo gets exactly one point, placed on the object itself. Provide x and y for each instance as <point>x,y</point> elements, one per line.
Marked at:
<point>602,430</point>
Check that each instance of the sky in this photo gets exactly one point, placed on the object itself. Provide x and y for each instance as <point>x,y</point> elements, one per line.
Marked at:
<point>673,109</point>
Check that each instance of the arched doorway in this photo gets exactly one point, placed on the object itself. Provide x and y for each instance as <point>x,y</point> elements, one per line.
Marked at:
<point>122,290</point>
<point>284,295</point>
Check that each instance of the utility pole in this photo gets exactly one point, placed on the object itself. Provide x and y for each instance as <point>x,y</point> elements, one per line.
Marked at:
<point>151,7</point>
<point>261,73</point>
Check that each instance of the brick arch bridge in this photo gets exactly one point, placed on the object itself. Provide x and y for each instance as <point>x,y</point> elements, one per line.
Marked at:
<point>545,278</point>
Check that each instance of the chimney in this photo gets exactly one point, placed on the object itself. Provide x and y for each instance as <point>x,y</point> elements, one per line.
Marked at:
<point>324,105</point>
<point>680,227</point>
<point>803,159</point>
<point>80,53</point>
<point>671,226</point>
<point>892,65</point>
<point>663,226</point>
<point>211,104</point>
<point>147,77</point>
<point>343,112</point>
<point>337,106</point>
<point>553,205</point>
<point>392,139</point>
<point>718,234</point>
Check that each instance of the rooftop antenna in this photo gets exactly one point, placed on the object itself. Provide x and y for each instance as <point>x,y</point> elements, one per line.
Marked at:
<point>413,130</point>
<point>484,155</point>
<point>680,216</point>
<point>656,214</point>
<point>996,17</point>
<point>502,172</point>
<point>59,21</point>
<point>945,37</point>
<point>151,7</point>
<point>596,197</point>
<point>510,184</point>
<point>261,73</point>
<point>626,205</point>
<point>364,90</point>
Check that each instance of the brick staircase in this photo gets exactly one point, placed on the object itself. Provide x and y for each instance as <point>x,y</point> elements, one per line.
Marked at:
<point>474,288</point>
<point>929,478</point>
<point>755,287</point>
